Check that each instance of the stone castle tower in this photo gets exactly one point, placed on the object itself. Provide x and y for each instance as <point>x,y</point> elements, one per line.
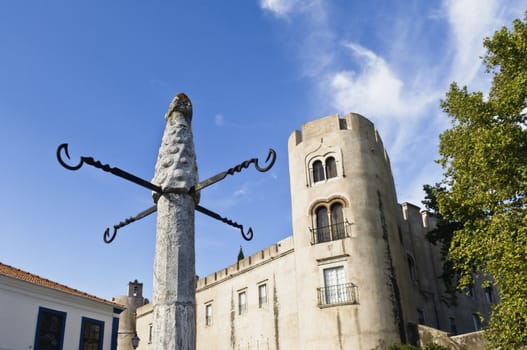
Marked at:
<point>345,224</point>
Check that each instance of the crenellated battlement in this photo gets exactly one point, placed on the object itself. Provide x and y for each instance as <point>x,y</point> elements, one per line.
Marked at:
<point>264,256</point>
<point>321,128</point>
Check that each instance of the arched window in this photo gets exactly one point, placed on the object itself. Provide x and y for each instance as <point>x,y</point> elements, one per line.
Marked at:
<point>318,171</point>
<point>329,223</point>
<point>331,167</point>
<point>337,221</point>
<point>322,221</point>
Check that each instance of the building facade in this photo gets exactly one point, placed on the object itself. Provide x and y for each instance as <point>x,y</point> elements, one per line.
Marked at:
<point>41,314</point>
<point>357,273</point>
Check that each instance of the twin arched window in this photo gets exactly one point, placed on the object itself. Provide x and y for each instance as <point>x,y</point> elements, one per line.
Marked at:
<point>329,223</point>
<point>323,171</point>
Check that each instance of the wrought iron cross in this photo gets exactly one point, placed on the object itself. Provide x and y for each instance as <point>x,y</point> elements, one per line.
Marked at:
<point>108,238</point>
<point>176,193</point>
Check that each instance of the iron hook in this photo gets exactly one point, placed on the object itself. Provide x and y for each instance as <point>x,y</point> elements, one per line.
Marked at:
<point>107,238</point>
<point>270,155</point>
<point>59,158</point>
<point>247,236</point>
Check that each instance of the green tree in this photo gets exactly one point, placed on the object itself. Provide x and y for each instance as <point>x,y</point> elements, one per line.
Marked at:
<point>484,157</point>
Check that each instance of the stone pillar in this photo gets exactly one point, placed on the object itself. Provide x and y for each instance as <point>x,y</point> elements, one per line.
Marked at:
<point>174,323</point>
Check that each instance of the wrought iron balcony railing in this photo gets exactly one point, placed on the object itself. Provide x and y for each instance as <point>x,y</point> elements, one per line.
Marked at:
<point>346,293</point>
<point>331,232</point>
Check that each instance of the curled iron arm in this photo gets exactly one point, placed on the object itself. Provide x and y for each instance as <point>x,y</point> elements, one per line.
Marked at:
<point>246,235</point>
<point>64,147</point>
<point>108,239</point>
<point>270,155</point>
<point>271,158</point>
<point>104,167</point>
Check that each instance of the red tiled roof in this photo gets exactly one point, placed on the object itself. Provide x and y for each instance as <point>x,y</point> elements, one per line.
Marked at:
<point>10,271</point>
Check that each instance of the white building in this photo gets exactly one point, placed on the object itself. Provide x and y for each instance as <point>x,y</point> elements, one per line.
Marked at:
<point>357,273</point>
<point>36,313</point>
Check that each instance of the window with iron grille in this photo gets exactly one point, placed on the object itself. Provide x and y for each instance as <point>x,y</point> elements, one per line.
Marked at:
<point>330,224</point>
<point>336,289</point>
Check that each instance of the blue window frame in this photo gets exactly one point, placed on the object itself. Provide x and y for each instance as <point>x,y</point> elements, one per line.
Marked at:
<point>92,334</point>
<point>50,329</point>
<point>115,330</point>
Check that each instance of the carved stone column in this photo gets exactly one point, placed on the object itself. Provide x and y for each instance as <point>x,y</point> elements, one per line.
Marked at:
<point>174,323</point>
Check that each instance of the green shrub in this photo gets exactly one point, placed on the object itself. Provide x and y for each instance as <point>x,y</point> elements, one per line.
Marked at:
<point>403,347</point>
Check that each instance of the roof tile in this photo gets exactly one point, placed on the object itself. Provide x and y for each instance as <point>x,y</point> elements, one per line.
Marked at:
<point>13,272</point>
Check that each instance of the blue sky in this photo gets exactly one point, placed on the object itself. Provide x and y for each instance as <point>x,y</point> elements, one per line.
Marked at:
<point>99,75</point>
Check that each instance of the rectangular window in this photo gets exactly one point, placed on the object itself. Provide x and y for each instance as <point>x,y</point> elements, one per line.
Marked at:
<point>262,295</point>
<point>92,332</point>
<point>208,314</point>
<point>334,283</point>
<point>336,290</point>
<point>242,303</point>
<point>50,329</point>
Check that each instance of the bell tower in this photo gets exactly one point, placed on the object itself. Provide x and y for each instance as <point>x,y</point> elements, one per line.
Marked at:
<point>127,318</point>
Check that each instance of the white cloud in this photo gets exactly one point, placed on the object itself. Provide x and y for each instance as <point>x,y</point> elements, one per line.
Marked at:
<point>279,8</point>
<point>219,119</point>
<point>242,191</point>
<point>470,21</point>
<point>375,90</point>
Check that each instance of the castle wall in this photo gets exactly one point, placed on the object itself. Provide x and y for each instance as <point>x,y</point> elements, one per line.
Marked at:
<point>431,298</point>
<point>262,324</point>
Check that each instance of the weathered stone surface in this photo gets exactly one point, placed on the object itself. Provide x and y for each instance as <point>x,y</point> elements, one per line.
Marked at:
<point>176,168</point>
<point>174,262</point>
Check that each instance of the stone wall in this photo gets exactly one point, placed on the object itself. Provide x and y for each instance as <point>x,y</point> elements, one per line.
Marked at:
<point>468,341</point>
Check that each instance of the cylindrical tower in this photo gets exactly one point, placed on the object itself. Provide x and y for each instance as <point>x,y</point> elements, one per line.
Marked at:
<point>132,301</point>
<point>347,247</point>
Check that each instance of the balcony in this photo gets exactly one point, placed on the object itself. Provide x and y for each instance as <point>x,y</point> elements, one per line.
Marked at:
<point>330,233</point>
<point>346,293</point>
